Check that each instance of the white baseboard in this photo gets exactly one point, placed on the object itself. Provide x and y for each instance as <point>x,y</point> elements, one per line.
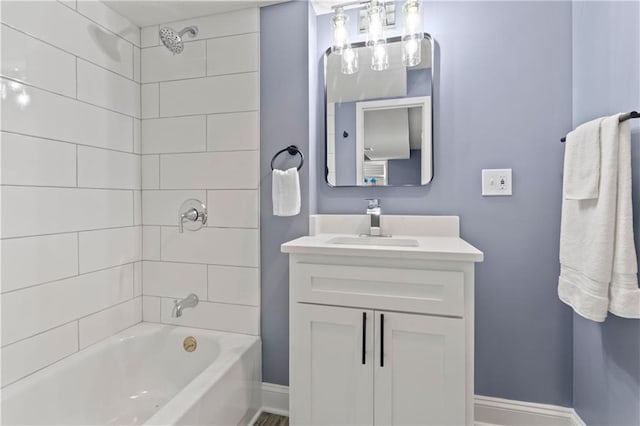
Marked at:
<point>488,411</point>
<point>499,411</point>
<point>275,399</point>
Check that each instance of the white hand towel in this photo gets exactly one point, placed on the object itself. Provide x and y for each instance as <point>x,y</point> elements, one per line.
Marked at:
<point>597,256</point>
<point>624,294</point>
<point>285,192</point>
<point>582,162</point>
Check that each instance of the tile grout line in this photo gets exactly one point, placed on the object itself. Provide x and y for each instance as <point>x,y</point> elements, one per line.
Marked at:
<point>61,49</point>
<point>82,101</point>
<point>63,141</point>
<point>201,77</point>
<point>57,280</point>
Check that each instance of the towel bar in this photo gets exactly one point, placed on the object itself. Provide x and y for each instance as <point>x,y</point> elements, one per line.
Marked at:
<point>623,117</point>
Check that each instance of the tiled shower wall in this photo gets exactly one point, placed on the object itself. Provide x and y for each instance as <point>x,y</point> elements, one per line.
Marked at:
<point>200,139</point>
<point>71,199</point>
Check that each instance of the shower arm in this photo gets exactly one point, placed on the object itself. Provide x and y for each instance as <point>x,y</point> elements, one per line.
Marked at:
<point>193,31</point>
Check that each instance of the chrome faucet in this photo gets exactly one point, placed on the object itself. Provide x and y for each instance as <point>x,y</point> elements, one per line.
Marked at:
<point>373,210</point>
<point>188,302</point>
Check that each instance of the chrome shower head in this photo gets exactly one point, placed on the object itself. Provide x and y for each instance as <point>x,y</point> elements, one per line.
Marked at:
<point>173,40</point>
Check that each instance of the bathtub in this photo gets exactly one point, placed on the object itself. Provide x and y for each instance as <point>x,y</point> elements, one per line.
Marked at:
<point>144,375</point>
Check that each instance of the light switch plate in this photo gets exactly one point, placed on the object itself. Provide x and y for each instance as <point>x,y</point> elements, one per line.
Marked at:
<point>496,182</point>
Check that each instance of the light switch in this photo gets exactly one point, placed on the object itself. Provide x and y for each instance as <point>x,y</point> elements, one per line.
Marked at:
<point>496,182</point>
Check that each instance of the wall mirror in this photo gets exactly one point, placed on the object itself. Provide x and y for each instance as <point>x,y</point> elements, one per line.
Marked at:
<point>379,123</point>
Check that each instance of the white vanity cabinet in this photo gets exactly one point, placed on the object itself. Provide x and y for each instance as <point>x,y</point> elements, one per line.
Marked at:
<point>381,335</point>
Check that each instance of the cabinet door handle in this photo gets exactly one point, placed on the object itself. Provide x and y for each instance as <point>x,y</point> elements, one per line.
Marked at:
<point>364,337</point>
<point>381,340</point>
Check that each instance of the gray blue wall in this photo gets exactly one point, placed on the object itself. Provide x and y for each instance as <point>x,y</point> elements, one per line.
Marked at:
<point>503,99</point>
<point>284,120</point>
<point>606,79</point>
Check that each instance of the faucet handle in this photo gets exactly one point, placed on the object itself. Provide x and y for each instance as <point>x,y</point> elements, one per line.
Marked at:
<point>374,203</point>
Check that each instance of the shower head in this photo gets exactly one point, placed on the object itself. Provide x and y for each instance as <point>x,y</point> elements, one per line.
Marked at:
<point>173,40</point>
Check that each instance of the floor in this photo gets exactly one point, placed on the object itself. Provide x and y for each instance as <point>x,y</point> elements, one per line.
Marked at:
<point>268,419</point>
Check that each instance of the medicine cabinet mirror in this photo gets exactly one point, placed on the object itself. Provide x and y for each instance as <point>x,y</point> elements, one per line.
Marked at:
<point>379,123</point>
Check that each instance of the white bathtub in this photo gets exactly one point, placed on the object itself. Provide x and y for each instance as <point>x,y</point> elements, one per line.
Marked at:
<point>144,376</point>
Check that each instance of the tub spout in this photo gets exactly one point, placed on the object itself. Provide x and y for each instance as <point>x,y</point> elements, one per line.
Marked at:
<point>188,302</point>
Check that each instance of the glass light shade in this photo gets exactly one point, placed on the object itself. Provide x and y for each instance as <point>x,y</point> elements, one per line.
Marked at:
<point>411,19</point>
<point>411,52</point>
<point>340,31</point>
<point>349,62</point>
<point>379,56</point>
<point>376,17</point>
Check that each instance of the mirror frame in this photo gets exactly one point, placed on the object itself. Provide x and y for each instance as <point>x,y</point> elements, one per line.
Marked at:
<point>426,36</point>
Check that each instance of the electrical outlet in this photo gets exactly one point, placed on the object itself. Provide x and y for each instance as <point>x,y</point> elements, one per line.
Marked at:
<point>496,182</point>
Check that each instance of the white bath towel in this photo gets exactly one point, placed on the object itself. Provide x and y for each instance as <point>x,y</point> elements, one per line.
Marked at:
<point>582,162</point>
<point>285,192</point>
<point>598,266</point>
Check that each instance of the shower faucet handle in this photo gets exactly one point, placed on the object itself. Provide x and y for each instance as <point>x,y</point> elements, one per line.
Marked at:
<point>192,215</point>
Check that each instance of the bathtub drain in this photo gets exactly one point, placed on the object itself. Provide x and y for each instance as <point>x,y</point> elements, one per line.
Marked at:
<point>190,344</point>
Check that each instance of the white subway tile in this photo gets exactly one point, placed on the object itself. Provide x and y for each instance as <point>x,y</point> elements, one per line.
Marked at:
<point>223,24</point>
<point>137,136</point>
<point>109,247</point>
<point>151,309</point>
<point>97,11</point>
<point>212,170</point>
<point>39,211</point>
<point>107,89</point>
<point>150,172</point>
<point>34,353</point>
<point>29,60</point>
<point>101,168</point>
<point>161,207</point>
<point>62,27</point>
<point>230,284</point>
<point>233,132</point>
<point>177,280</point>
<point>108,322</point>
<point>36,309</point>
<point>33,161</point>
<point>149,36</point>
<point>35,260</point>
<point>228,55</point>
<point>233,209</point>
<point>151,242</point>
<point>137,64</point>
<point>210,95</point>
<point>137,279</point>
<point>137,208</point>
<point>150,102</point>
<point>215,316</point>
<point>218,246</point>
<point>69,3</point>
<point>39,113</point>
<point>162,65</point>
<point>167,135</point>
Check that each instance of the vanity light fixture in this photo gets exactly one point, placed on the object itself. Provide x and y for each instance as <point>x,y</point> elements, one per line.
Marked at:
<point>376,22</point>
<point>411,33</point>
<point>340,31</point>
<point>376,15</point>
<point>349,61</point>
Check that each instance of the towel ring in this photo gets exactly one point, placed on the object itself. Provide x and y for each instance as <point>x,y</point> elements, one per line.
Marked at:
<point>292,150</point>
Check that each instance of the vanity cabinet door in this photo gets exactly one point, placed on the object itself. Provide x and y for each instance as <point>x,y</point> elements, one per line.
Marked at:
<point>332,366</point>
<point>419,370</point>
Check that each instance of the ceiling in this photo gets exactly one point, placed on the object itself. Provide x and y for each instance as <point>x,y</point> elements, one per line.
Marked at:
<point>152,12</point>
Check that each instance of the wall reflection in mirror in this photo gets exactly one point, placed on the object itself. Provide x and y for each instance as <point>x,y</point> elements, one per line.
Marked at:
<point>379,123</point>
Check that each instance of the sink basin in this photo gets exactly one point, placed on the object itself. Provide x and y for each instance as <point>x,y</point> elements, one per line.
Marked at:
<point>375,241</point>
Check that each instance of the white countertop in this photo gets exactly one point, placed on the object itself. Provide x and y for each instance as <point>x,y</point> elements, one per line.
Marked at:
<point>428,248</point>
